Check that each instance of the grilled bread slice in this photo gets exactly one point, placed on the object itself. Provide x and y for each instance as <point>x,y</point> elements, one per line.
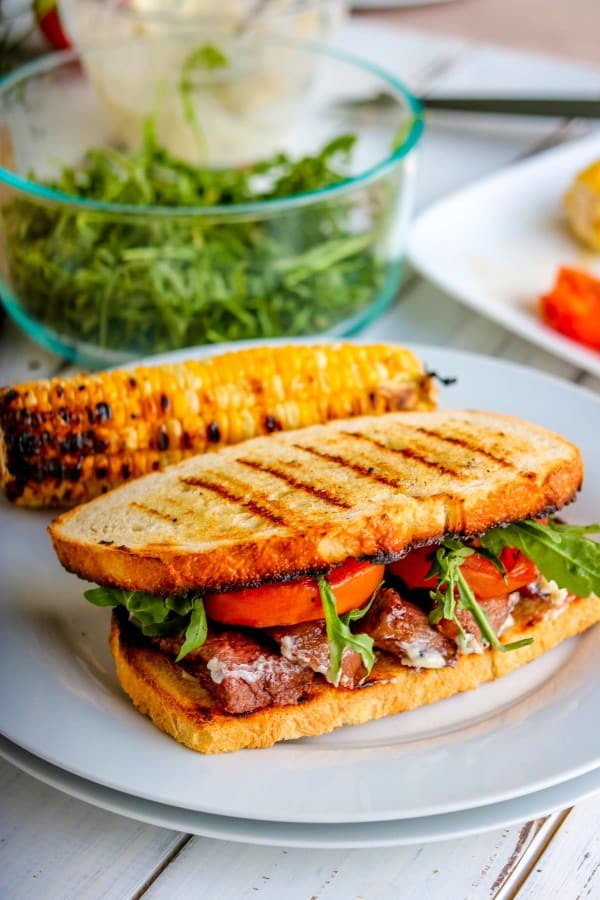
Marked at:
<point>305,501</point>
<point>179,705</point>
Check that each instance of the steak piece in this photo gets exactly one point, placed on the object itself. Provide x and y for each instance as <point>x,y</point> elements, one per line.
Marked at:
<point>307,643</point>
<point>243,675</point>
<point>498,610</point>
<point>403,629</point>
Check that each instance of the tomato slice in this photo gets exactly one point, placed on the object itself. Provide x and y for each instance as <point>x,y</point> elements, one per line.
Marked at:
<point>483,577</point>
<point>573,306</point>
<point>294,601</point>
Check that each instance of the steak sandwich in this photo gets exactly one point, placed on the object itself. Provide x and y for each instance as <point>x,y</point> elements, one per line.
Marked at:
<point>289,585</point>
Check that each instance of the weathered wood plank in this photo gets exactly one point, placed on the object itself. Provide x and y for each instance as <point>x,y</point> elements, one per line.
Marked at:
<point>472,867</point>
<point>53,847</point>
<point>569,868</point>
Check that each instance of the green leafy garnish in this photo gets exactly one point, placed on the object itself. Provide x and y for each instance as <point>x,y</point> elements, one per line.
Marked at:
<point>159,616</point>
<point>453,591</point>
<point>561,552</point>
<point>339,635</point>
<point>196,631</point>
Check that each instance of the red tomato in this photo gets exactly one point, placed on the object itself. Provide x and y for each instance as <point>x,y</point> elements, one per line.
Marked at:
<point>573,306</point>
<point>482,576</point>
<point>48,19</point>
<point>294,601</point>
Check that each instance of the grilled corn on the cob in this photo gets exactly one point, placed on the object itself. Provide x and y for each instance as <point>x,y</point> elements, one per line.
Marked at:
<point>67,440</point>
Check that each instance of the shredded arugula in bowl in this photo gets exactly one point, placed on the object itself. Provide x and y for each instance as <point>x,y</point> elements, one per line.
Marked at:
<point>144,283</point>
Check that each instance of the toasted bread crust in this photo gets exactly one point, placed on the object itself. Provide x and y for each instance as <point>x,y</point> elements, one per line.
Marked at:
<point>179,706</point>
<point>305,501</point>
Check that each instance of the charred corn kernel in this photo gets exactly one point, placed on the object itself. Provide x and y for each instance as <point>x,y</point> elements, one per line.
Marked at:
<point>582,206</point>
<point>67,440</point>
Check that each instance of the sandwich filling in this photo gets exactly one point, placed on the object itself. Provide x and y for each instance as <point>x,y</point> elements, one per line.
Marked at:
<point>270,645</point>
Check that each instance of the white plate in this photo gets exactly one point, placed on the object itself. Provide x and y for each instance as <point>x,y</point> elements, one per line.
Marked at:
<point>60,700</point>
<point>423,830</point>
<point>497,245</point>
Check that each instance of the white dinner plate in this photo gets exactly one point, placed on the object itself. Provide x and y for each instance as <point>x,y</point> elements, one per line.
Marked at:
<point>497,245</point>
<point>422,830</point>
<point>60,700</point>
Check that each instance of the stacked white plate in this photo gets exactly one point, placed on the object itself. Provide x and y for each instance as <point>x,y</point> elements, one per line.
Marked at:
<point>497,244</point>
<point>509,751</point>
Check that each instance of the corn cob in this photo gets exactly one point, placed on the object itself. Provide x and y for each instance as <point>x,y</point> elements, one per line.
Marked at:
<point>66,440</point>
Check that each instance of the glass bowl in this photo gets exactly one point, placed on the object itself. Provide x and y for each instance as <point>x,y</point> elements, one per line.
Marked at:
<point>103,282</point>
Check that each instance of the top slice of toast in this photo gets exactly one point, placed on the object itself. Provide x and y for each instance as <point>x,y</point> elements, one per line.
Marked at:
<point>303,501</point>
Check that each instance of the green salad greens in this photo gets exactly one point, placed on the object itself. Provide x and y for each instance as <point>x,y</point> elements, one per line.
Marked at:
<point>159,616</point>
<point>141,283</point>
<point>561,552</point>
<point>453,592</point>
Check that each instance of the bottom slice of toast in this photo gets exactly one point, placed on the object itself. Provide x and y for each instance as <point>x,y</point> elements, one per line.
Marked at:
<point>179,705</point>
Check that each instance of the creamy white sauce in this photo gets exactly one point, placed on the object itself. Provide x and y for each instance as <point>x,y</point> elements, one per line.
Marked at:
<point>288,650</point>
<point>468,644</point>
<point>550,590</point>
<point>508,623</point>
<point>219,670</point>
<point>416,654</point>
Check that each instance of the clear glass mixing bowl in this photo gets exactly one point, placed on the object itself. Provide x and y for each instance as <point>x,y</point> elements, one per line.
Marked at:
<point>104,282</point>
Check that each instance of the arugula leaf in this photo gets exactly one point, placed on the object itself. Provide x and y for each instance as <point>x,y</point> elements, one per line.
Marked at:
<point>339,636</point>
<point>159,616</point>
<point>355,614</point>
<point>196,631</point>
<point>561,552</point>
<point>453,588</point>
<point>103,596</point>
<point>448,558</point>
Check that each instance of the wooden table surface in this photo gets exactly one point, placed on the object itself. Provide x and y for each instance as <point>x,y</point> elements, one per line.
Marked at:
<point>53,846</point>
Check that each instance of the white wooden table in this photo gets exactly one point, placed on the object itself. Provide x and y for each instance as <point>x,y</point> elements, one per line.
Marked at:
<point>55,847</point>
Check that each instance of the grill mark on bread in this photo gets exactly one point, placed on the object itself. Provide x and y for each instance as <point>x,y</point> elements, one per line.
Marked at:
<point>319,493</point>
<point>154,512</point>
<point>409,453</point>
<point>360,469</point>
<point>467,444</point>
<point>257,509</point>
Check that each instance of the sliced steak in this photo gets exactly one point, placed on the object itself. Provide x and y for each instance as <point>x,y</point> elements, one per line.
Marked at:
<point>242,674</point>
<point>403,629</point>
<point>307,643</point>
<point>498,610</point>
